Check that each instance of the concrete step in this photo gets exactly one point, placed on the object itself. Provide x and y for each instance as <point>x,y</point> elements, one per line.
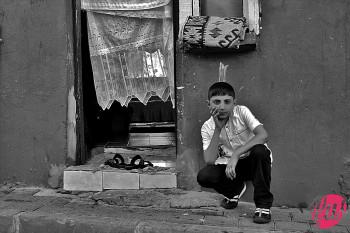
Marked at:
<point>92,178</point>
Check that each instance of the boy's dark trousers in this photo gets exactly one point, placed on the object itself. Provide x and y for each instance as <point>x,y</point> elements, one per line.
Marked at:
<point>255,167</point>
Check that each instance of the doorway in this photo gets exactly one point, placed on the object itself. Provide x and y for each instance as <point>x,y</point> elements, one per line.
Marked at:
<point>137,126</point>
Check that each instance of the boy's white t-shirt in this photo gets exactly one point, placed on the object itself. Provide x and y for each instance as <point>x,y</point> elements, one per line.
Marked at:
<point>237,131</point>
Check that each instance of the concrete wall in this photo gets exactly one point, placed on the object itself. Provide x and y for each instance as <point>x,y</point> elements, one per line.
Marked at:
<point>36,74</point>
<point>297,83</point>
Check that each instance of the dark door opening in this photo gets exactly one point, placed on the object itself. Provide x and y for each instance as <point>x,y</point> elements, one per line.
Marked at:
<point>137,125</point>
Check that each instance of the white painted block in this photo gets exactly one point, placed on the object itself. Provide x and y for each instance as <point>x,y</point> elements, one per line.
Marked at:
<point>166,180</point>
<point>82,180</point>
<point>120,180</point>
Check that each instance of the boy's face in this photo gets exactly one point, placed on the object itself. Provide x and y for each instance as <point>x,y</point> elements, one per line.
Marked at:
<point>224,104</point>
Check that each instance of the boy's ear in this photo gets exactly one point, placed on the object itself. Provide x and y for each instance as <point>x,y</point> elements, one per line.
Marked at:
<point>208,102</point>
<point>235,101</point>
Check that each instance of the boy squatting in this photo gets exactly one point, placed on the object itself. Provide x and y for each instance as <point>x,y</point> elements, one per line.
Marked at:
<point>235,150</point>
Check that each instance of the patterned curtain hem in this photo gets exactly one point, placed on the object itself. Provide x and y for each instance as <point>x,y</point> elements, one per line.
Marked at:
<point>121,5</point>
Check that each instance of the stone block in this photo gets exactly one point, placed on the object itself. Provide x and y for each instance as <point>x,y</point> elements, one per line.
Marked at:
<point>42,222</point>
<point>7,219</point>
<point>120,180</point>
<point>166,180</point>
<point>82,180</point>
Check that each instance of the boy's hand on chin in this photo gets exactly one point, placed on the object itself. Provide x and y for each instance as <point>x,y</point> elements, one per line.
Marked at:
<point>218,122</point>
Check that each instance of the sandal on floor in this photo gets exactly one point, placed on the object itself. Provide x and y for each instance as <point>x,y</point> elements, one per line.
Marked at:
<point>137,162</point>
<point>116,162</point>
<point>141,162</point>
<point>147,164</point>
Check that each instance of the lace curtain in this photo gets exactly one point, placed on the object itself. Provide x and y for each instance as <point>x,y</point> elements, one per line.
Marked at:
<point>131,50</point>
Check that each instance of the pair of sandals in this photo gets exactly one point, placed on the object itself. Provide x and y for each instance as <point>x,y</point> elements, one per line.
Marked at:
<point>137,162</point>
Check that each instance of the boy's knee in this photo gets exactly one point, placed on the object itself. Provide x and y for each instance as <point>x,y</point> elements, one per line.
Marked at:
<point>202,178</point>
<point>206,178</point>
<point>260,151</point>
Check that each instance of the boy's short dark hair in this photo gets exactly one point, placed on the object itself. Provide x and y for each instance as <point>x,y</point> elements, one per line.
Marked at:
<point>221,88</point>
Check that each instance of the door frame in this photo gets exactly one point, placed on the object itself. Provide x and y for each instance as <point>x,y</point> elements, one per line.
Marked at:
<point>81,147</point>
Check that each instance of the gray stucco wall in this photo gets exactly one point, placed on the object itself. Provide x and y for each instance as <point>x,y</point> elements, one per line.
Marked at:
<point>35,77</point>
<point>297,83</point>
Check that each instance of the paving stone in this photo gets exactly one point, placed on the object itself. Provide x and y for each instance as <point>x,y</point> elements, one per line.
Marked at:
<point>207,211</point>
<point>166,180</point>
<point>192,199</point>
<point>161,227</point>
<point>52,193</point>
<point>22,194</point>
<point>141,198</point>
<point>58,222</point>
<point>334,229</point>
<point>247,222</point>
<point>82,180</point>
<point>83,201</point>
<point>86,194</point>
<point>295,226</point>
<point>305,227</point>
<point>6,219</point>
<point>291,214</point>
<point>345,221</point>
<point>120,180</point>
<point>5,189</point>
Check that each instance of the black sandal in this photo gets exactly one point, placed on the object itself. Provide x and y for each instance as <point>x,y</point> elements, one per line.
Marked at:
<point>141,164</point>
<point>147,164</point>
<point>116,162</point>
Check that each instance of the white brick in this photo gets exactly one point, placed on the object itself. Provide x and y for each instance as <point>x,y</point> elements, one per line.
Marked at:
<point>120,180</point>
<point>82,180</point>
<point>167,180</point>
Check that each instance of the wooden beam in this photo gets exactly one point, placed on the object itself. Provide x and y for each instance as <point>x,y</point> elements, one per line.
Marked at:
<point>196,10</point>
<point>81,149</point>
<point>251,11</point>
<point>152,125</point>
<point>185,9</point>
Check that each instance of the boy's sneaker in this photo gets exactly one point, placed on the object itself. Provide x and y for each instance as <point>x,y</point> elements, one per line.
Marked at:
<point>262,215</point>
<point>232,203</point>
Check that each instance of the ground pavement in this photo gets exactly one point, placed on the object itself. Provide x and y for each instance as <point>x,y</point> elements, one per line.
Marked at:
<point>39,210</point>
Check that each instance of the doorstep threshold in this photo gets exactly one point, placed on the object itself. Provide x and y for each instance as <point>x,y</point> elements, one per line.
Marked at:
<point>95,176</point>
<point>85,178</point>
<point>168,152</point>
